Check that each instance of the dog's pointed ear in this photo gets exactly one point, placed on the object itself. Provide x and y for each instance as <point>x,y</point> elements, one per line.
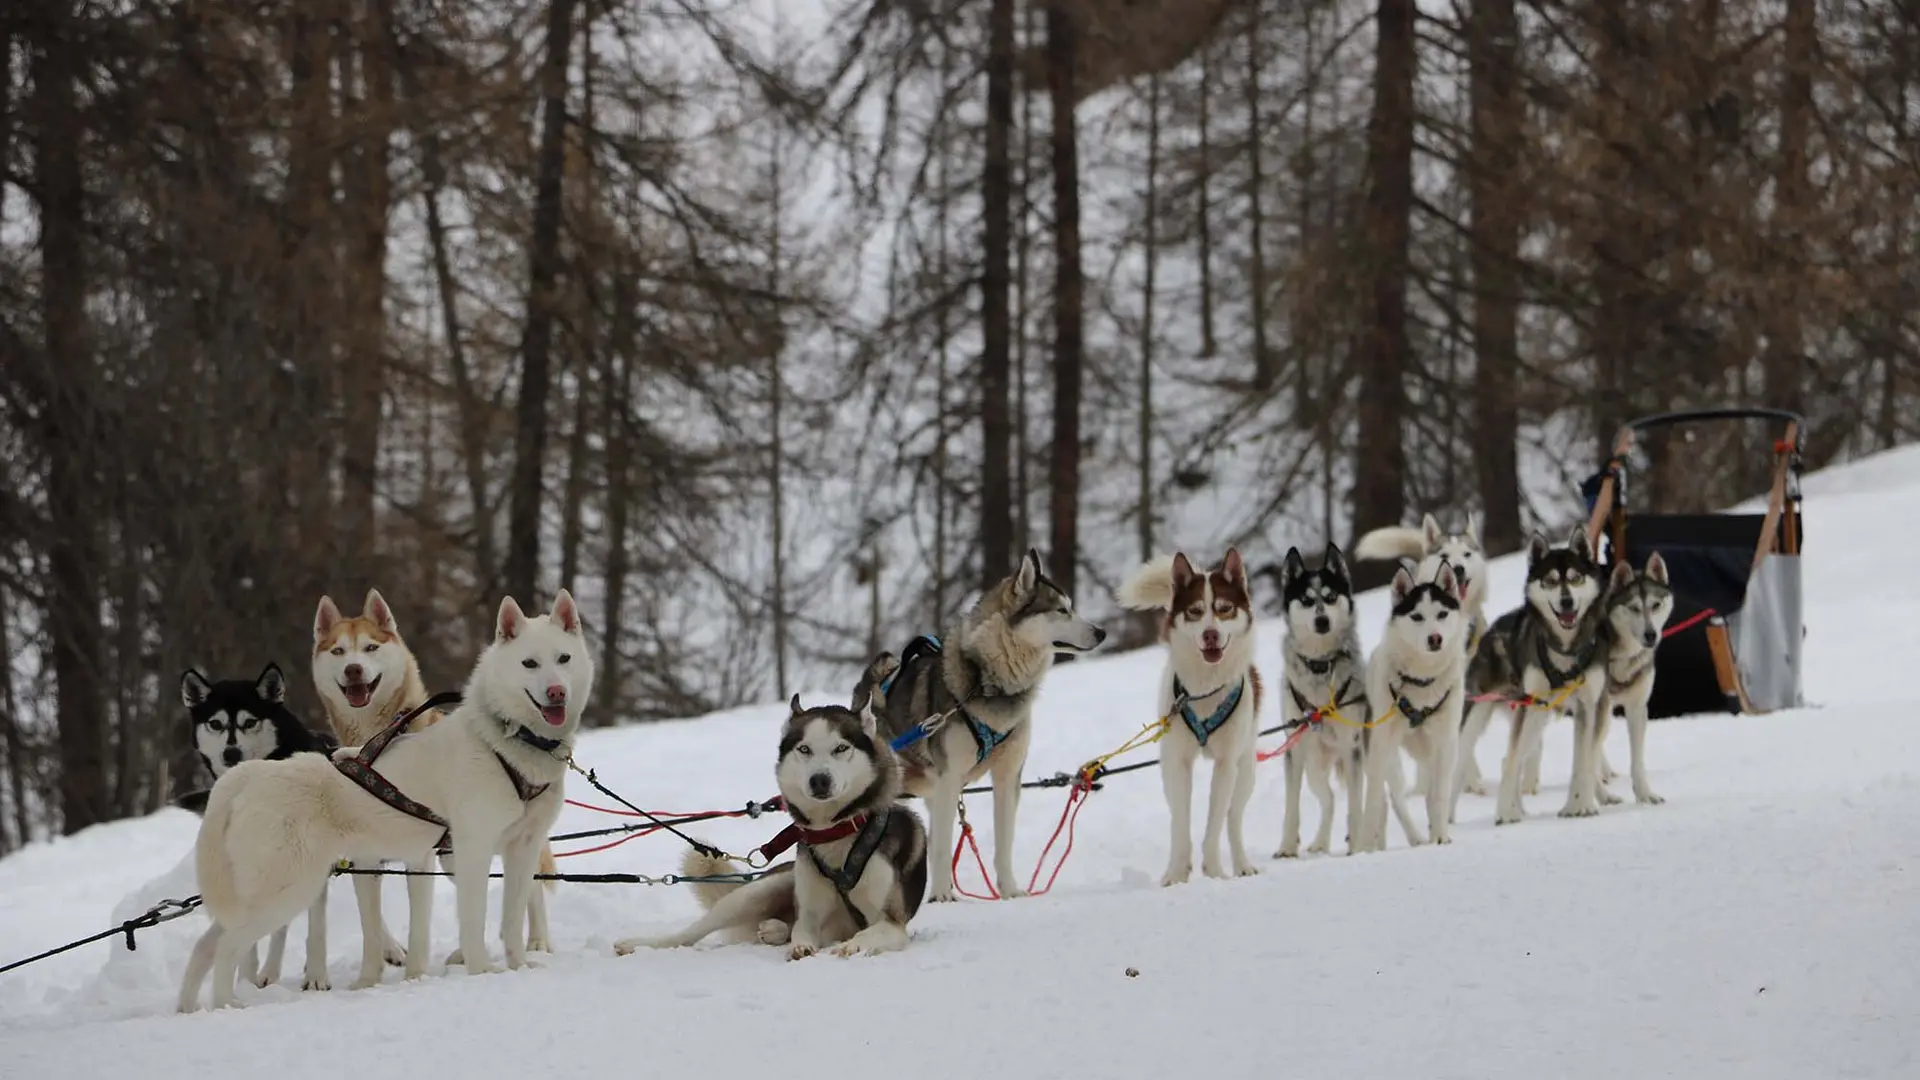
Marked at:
<point>510,622</point>
<point>1621,577</point>
<point>1445,579</point>
<point>194,689</point>
<point>324,617</point>
<point>566,612</point>
<point>1292,568</point>
<point>1537,548</point>
<point>1577,540</point>
<point>794,706</point>
<point>1028,575</point>
<point>271,685</point>
<point>1183,571</point>
<point>376,608</point>
<point>1473,527</point>
<point>1657,568</point>
<point>1431,527</point>
<point>1402,584</point>
<point>1235,566</point>
<point>1334,562</point>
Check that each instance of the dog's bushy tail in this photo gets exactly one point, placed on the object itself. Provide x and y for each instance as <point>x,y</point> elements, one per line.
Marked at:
<point>699,865</point>
<point>212,864</point>
<point>1150,588</point>
<point>1392,542</point>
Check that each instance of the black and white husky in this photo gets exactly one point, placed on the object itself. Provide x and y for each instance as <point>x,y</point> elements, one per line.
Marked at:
<point>236,720</point>
<point>1429,547</point>
<point>861,870</point>
<point>1324,673</point>
<point>1546,655</point>
<point>1638,604</point>
<point>1416,685</point>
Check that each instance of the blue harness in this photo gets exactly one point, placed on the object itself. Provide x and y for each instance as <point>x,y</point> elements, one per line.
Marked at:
<point>1204,729</point>
<point>985,737</point>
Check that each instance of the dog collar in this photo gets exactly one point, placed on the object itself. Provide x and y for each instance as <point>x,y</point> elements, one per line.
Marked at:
<point>796,833</point>
<point>1325,663</point>
<point>538,742</point>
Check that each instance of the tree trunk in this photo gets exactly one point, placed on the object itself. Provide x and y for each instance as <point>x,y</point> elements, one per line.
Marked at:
<point>1147,301</point>
<point>1264,375</point>
<point>996,329</point>
<point>530,432</point>
<point>17,772</point>
<point>1379,455</point>
<point>776,407</point>
<point>1022,325</point>
<point>312,318</point>
<point>1203,207</point>
<point>619,379</point>
<point>1069,345</point>
<point>1784,363</point>
<point>364,365</point>
<point>73,593</point>
<point>1495,193</point>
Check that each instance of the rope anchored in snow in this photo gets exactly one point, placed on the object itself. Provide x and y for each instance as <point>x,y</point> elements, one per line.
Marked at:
<point>164,911</point>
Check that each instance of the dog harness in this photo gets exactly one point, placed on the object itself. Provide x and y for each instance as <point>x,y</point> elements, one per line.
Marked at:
<point>1325,663</point>
<point>872,829</point>
<point>1204,729</point>
<point>984,736</point>
<point>360,770</point>
<point>1416,717</point>
<point>1558,677</point>
<point>1338,700</point>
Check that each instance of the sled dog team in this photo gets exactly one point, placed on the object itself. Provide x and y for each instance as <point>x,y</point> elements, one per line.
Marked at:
<point>395,778</point>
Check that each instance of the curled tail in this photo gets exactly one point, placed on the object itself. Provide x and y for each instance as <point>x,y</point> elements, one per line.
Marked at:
<point>1392,542</point>
<point>709,893</point>
<point>1150,588</point>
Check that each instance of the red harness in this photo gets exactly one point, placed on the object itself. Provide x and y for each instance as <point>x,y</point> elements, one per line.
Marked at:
<point>798,833</point>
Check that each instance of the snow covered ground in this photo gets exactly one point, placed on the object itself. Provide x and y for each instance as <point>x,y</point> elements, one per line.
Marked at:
<point>1764,922</point>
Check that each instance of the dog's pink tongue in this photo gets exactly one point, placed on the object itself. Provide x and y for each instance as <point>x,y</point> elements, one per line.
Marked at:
<point>358,695</point>
<point>554,714</point>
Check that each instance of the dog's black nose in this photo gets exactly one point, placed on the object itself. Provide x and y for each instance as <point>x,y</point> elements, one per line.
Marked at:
<point>1650,639</point>
<point>354,671</point>
<point>1099,635</point>
<point>820,785</point>
<point>1322,624</point>
<point>232,755</point>
<point>1434,641</point>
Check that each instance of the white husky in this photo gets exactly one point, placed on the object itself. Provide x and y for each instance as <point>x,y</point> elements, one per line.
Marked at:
<point>1210,697</point>
<point>493,771</point>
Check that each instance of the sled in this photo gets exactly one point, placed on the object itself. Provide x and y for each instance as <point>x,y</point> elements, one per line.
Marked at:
<point>1733,642</point>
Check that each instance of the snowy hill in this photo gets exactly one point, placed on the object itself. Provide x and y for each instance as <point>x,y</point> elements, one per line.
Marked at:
<point>1761,923</point>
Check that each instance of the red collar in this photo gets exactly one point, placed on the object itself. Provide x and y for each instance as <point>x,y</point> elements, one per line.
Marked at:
<point>798,833</point>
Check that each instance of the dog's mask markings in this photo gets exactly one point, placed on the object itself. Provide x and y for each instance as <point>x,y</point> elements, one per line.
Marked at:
<point>827,755</point>
<point>1562,582</point>
<point>1213,609</point>
<point>1319,602</point>
<point>1044,614</point>
<point>357,655</point>
<point>1427,615</point>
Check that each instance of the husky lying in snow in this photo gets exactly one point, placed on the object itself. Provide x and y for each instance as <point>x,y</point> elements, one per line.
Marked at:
<point>861,870</point>
<point>489,778</point>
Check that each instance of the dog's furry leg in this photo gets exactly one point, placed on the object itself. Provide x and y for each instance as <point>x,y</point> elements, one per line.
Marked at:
<point>1603,772</point>
<point>539,934</point>
<point>1356,767</point>
<point>472,858</point>
<point>226,966</point>
<point>1396,794</point>
<point>1443,745</point>
<point>1468,778</point>
<point>1006,813</point>
<point>276,952</point>
<point>373,930</point>
<point>1523,733</point>
<point>882,937</point>
<point>316,977</point>
<point>249,968</point>
<point>517,860</point>
<point>1581,799</point>
<point>806,934</point>
<point>419,916</point>
<point>1176,778</point>
<point>1637,743</point>
<point>1243,781</point>
<point>1226,774</point>
<point>1530,769</point>
<point>943,809</point>
<point>1290,823</point>
<point>198,965</point>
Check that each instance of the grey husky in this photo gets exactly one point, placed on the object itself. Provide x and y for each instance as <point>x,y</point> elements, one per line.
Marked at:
<point>1546,655</point>
<point>1324,674</point>
<point>1638,605</point>
<point>861,870</point>
<point>960,709</point>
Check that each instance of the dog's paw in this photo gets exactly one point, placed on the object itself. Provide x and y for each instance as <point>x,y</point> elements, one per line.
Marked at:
<point>1442,838</point>
<point>1646,797</point>
<point>1476,787</point>
<point>1245,869</point>
<point>848,949</point>
<point>1530,788</point>
<point>800,952</point>
<point>455,958</point>
<point>941,897</point>
<point>1288,851</point>
<point>1579,809</point>
<point>628,946</point>
<point>364,983</point>
<point>1509,817</point>
<point>1608,798</point>
<point>1176,876</point>
<point>774,932</point>
<point>516,962</point>
<point>316,982</point>
<point>539,944</point>
<point>484,967</point>
<point>1012,892</point>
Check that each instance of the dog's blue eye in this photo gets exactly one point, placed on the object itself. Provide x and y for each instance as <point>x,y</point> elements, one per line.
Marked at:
<point>805,750</point>
<point>843,748</point>
<point>563,658</point>
<point>529,663</point>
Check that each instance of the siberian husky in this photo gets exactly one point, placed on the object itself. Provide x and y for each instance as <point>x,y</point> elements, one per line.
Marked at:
<point>861,870</point>
<point>1429,546</point>
<point>1209,702</point>
<point>1545,655</point>
<point>1416,684</point>
<point>367,677</point>
<point>961,710</point>
<point>1324,673</point>
<point>489,779</point>
<point>1637,608</point>
<point>236,720</point>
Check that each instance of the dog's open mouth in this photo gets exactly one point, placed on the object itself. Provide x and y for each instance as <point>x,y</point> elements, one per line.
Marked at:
<point>1567,618</point>
<point>359,693</point>
<point>1213,655</point>
<point>552,714</point>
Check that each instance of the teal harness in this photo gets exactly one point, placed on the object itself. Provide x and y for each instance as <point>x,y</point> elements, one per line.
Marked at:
<point>1204,729</point>
<point>987,739</point>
